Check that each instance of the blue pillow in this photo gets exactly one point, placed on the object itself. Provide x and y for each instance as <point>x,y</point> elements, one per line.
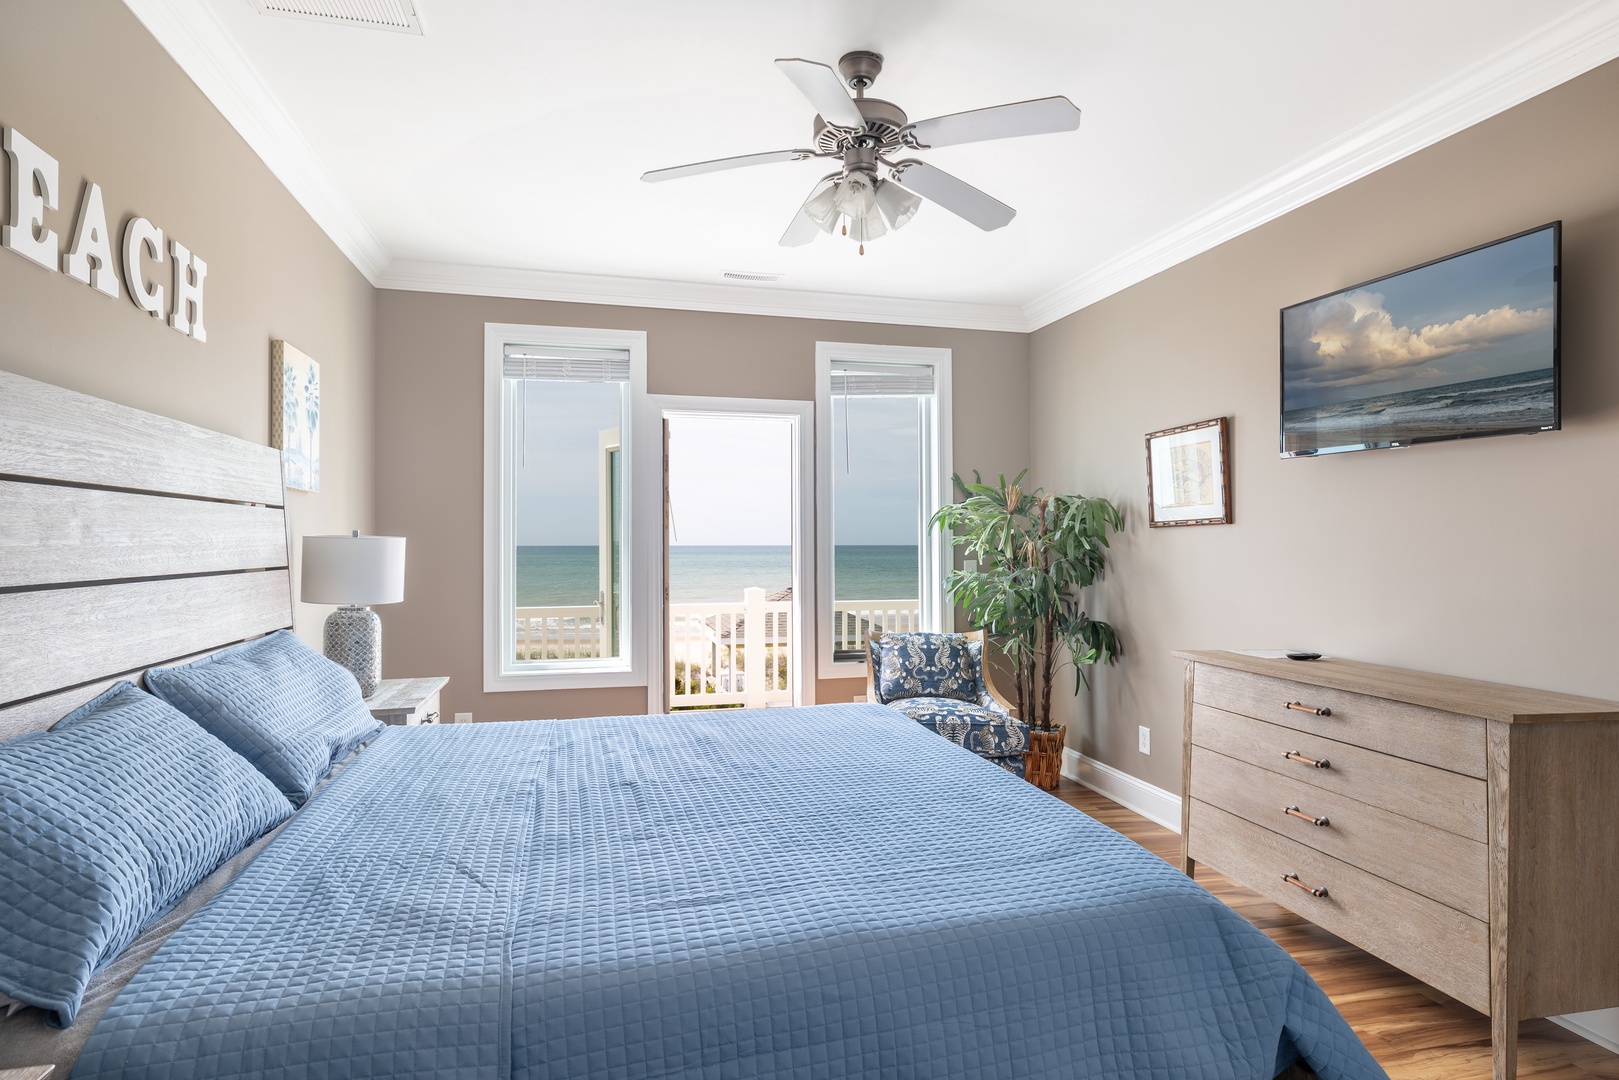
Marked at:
<point>277,702</point>
<point>106,822</point>
<point>927,665</point>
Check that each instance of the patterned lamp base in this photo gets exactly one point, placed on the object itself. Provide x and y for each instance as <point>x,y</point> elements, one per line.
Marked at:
<point>354,639</point>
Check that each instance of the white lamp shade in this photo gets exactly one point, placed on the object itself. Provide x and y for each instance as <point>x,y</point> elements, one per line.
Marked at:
<point>898,205</point>
<point>361,570</point>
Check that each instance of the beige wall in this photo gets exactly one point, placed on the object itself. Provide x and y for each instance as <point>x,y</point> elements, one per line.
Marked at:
<point>100,95</point>
<point>430,450</point>
<point>1492,558</point>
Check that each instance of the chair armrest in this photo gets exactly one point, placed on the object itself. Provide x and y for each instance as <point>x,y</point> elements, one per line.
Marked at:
<point>989,688</point>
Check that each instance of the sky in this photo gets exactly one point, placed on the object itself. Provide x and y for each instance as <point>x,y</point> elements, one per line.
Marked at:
<point>1478,316</point>
<point>729,479</point>
<point>876,476</point>
<point>556,476</point>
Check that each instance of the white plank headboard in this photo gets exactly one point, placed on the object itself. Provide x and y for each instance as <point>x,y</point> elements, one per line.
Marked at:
<point>127,540</point>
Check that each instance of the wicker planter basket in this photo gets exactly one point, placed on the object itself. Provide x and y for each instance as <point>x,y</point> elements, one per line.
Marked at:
<point>1043,765</point>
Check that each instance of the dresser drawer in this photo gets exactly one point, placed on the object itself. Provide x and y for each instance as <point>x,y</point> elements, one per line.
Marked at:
<point>1440,865</point>
<point>1446,740</point>
<point>1446,800</point>
<point>1435,943</point>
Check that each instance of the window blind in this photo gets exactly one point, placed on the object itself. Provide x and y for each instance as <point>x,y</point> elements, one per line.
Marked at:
<point>881,380</point>
<point>566,364</point>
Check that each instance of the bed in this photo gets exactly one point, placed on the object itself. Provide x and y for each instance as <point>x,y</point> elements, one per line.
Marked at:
<point>827,891</point>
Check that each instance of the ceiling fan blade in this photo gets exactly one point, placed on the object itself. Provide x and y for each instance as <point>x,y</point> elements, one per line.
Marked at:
<point>956,196</point>
<point>803,228</point>
<point>1038,117</point>
<point>697,168</point>
<point>824,88</point>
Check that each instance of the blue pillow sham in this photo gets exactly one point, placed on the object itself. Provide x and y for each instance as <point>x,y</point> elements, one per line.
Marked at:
<point>277,702</point>
<point>106,822</point>
<point>927,665</point>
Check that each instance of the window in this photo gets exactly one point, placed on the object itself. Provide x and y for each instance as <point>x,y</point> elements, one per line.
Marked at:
<point>560,576</point>
<point>883,435</point>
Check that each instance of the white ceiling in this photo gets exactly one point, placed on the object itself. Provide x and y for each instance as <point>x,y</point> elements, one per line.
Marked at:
<point>501,151</point>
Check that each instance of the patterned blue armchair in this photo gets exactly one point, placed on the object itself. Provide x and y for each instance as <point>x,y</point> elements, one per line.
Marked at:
<point>938,680</point>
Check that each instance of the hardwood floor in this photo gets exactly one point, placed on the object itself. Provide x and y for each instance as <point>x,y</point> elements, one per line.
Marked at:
<point>1413,1030</point>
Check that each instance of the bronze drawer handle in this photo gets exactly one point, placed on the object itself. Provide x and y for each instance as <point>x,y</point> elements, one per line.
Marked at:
<point>1294,755</point>
<point>1299,706</point>
<point>1293,811</point>
<point>1293,879</point>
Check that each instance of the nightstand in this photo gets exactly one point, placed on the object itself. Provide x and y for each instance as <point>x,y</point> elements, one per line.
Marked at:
<point>406,701</point>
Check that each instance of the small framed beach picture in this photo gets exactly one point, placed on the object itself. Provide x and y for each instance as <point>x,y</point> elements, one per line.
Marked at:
<point>1189,475</point>
<point>295,415</point>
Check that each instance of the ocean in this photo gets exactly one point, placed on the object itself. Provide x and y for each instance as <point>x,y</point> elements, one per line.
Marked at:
<point>555,576</point>
<point>1504,403</point>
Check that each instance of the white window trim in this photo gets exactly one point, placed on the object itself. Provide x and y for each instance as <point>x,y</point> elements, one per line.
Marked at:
<point>642,498</point>
<point>802,416</point>
<point>935,548</point>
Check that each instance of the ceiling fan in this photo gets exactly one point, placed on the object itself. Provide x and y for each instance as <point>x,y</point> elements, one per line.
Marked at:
<point>864,133</point>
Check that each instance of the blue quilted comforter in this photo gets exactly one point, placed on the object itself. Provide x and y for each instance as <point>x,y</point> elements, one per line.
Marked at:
<point>821,892</point>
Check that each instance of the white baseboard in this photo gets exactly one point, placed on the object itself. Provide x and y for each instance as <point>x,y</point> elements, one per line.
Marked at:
<point>1164,807</point>
<point>1151,802</point>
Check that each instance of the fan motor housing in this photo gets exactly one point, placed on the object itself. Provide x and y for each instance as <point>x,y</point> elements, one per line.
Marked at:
<point>884,120</point>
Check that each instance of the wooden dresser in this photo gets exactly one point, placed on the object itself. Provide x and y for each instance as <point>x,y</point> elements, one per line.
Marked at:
<point>1466,832</point>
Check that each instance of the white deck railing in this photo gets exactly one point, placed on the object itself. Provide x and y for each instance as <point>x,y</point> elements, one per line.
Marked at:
<point>852,620</point>
<point>561,633</point>
<point>731,654</point>
<point>710,645</point>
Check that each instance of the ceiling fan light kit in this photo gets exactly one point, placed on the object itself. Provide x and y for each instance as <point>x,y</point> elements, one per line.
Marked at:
<point>863,133</point>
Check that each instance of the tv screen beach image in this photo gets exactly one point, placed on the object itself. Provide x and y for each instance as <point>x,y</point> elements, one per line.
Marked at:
<point>1465,346</point>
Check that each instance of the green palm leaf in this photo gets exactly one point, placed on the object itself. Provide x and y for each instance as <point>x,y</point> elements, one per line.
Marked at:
<point>1036,555</point>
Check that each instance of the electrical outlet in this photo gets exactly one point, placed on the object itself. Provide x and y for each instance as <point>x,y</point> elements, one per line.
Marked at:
<point>1144,739</point>
<point>860,697</point>
<point>969,566</point>
<point>463,718</point>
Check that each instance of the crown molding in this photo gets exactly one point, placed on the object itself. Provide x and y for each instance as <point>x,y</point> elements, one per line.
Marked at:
<point>415,276</point>
<point>1570,46</point>
<point>1561,50</point>
<point>193,35</point>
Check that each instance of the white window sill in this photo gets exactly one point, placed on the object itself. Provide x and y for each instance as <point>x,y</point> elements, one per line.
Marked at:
<point>562,677</point>
<point>845,670</point>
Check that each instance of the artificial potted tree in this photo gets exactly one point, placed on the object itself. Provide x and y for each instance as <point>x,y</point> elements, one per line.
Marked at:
<point>1036,555</point>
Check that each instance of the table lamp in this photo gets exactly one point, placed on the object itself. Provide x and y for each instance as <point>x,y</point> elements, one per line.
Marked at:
<point>354,571</point>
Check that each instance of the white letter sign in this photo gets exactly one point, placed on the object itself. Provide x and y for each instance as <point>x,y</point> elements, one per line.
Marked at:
<point>189,274</point>
<point>35,178</point>
<point>33,191</point>
<point>90,261</point>
<point>142,237</point>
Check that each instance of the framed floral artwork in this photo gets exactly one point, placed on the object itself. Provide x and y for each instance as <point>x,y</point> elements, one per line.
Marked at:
<point>295,415</point>
<point>1189,475</point>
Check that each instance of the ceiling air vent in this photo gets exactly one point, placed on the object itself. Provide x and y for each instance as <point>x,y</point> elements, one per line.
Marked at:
<point>749,275</point>
<point>397,15</point>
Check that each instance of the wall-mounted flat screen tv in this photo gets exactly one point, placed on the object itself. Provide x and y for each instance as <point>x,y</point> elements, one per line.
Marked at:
<point>1461,347</point>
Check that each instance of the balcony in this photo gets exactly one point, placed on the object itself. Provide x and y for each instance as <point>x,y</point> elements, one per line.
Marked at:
<point>853,620</point>
<point>721,655</point>
<point>561,633</point>
<point>731,654</point>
